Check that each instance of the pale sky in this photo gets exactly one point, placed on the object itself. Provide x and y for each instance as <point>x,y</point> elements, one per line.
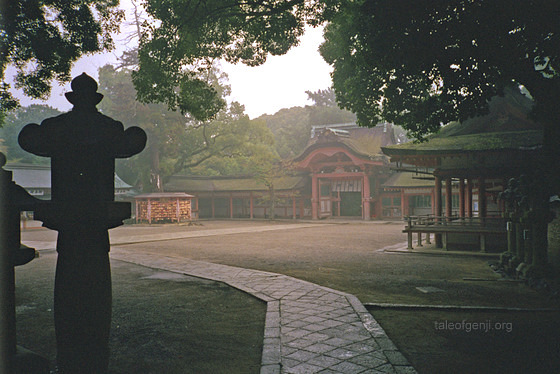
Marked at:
<point>279,83</point>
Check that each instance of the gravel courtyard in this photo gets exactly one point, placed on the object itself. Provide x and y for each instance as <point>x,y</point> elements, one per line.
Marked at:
<point>352,256</point>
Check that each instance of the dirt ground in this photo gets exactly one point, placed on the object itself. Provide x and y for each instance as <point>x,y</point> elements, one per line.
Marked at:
<point>344,256</point>
<point>162,322</point>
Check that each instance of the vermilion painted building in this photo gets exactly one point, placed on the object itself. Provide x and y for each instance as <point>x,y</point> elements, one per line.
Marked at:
<point>347,169</point>
<point>341,173</point>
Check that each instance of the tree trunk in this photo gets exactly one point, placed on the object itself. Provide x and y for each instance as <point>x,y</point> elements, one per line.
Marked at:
<point>155,176</point>
<point>547,178</point>
<point>272,202</point>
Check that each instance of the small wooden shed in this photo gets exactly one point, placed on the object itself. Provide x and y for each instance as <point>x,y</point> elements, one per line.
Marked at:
<point>163,206</point>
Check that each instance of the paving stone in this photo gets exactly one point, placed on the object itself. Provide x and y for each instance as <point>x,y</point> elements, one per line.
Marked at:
<point>289,363</point>
<point>297,323</point>
<point>387,368</point>
<point>272,332</point>
<point>298,333</point>
<point>300,343</point>
<point>347,318</point>
<point>304,369</point>
<point>324,361</point>
<point>320,348</point>
<point>286,350</point>
<point>301,355</point>
<point>314,319</point>
<point>271,355</point>
<point>363,347</point>
<point>317,337</point>
<point>312,312</point>
<point>369,360</point>
<point>313,327</point>
<point>347,367</point>
<point>337,342</point>
<point>341,353</point>
<point>331,323</point>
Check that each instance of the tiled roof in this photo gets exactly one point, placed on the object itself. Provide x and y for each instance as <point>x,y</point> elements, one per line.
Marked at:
<point>364,142</point>
<point>194,184</point>
<point>39,176</point>
<point>30,176</point>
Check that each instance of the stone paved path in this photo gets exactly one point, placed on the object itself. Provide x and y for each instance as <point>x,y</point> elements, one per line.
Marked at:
<point>308,328</point>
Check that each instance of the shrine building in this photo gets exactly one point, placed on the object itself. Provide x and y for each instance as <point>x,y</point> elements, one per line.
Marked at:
<point>243,196</point>
<point>347,170</point>
<point>471,164</point>
<point>341,173</point>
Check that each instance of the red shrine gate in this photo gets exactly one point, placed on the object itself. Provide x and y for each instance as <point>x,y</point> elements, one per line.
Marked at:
<point>347,170</point>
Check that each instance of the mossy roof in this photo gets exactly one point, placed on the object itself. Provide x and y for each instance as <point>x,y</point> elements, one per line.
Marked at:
<point>408,180</point>
<point>506,127</point>
<point>495,141</point>
<point>230,184</point>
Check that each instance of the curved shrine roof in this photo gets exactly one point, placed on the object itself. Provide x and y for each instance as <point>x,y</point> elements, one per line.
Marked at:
<point>364,143</point>
<point>507,127</point>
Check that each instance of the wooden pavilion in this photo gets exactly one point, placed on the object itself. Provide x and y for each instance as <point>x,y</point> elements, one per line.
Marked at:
<point>478,156</point>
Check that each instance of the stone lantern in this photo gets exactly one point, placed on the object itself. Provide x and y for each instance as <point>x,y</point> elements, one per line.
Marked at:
<point>82,145</point>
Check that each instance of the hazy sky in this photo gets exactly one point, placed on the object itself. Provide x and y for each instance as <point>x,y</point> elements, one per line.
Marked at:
<point>280,83</point>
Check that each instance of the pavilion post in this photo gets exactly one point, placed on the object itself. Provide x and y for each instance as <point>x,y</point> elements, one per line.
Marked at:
<point>448,199</point>
<point>439,210</point>
<point>482,204</point>
<point>469,201</point>
<point>462,198</point>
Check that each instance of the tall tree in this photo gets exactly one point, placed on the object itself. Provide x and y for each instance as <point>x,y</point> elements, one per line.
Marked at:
<point>424,64</point>
<point>292,126</point>
<point>177,142</point>
<point>42,39</point>
<point>324,97</point>
<point>185,37</point>
<point>14,122</point>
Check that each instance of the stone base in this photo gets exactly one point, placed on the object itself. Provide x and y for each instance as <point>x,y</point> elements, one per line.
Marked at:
<point>28,362</point>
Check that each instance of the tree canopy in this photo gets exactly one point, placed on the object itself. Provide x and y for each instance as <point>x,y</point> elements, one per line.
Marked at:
<point>292,126</point>
<point>177,143</point>
<point>14,122</point>
<point>424,64</point>
<point>42,39</point>
<point>187,36</point>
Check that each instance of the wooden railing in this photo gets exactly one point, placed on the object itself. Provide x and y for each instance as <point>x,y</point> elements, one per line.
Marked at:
<point>455,221</point>
<point>442,225</point>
